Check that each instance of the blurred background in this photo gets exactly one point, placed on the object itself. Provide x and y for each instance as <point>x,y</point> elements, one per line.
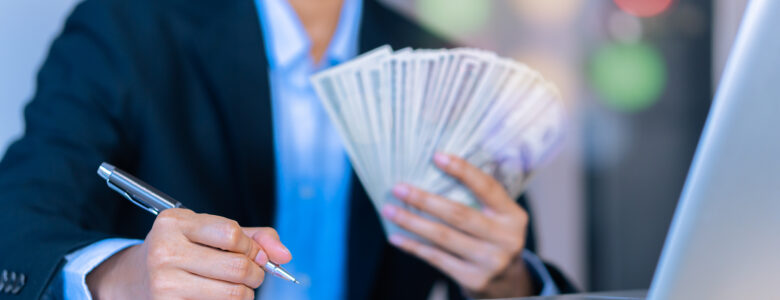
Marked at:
<point>638,77</point>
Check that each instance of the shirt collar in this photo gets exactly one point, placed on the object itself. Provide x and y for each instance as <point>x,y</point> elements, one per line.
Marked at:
<point>286,39</point>
<point>343,45</point>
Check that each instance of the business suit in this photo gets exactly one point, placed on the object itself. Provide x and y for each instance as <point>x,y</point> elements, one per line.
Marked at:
<point>177,93</point>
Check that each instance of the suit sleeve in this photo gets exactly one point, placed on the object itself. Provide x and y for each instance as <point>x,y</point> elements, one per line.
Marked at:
<point>51,200</point>
<point>547,278</point>
<point>544,285</point>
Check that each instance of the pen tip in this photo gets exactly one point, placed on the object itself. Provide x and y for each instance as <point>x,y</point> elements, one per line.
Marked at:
<point>298,282</point>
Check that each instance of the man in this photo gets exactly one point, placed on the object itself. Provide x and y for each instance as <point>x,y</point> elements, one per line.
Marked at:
<point>209,101</point>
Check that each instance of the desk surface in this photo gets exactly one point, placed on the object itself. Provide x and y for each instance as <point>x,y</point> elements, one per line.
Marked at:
<point>617,295</point>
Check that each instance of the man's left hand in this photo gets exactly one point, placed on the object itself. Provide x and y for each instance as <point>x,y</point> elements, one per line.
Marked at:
<point>481,250</point>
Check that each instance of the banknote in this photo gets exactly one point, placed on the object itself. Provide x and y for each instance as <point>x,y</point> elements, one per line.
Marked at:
<point>395,109</point>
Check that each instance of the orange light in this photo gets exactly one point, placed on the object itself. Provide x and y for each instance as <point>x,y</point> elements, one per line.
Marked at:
<point>643,8</point>
<point>554,69</point>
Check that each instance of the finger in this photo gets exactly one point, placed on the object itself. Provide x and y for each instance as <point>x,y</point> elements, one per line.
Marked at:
<point>250,231</point>
<point>199,287</point>
<point>459,270</point>
<point>220,233</point>
<point>443,236</point>
<point>453,213</point>
<point>484,186</point>
<point>261,258</point>
<point>268,239</point>
<point>222,265</point>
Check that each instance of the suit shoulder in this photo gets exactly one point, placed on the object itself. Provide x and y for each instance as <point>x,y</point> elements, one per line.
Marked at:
<point>149,11</point>
<point>405,30</point>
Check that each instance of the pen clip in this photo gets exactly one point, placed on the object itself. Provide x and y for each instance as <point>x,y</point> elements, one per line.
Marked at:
<point>129,197</point>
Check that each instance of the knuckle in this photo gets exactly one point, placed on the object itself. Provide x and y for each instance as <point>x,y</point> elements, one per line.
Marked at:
<point>239,267</point>
<point>490,184</point>
<point>433,259</point>
<point>459,214</point>
<point>457,164</point>
<point>495,187</point>
<point>174,213</point>
<point>170,220</point>
<point>416,198</point>
<point>259,280</point>
<point>160,285</point>
<point>429,255</point>
<point>250,294</point>
<point>402,218</point>
<point>522,218</point>
<point>272,232</point>
<point>154,281</point>
<point>499,262</point>
<point>168,213</point>
<point>514,245</point>
<point>232,233</point>
<point>166,218</point>
<point>159,256</point>
<point>267,232</point>
<point>480,183</point>
<point>480,283</point>
<point>157,286</point>
<point>237,292</point>
<point>440,233</point>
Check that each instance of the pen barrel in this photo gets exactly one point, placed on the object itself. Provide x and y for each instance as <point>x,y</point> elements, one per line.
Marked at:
<point>137,191</point>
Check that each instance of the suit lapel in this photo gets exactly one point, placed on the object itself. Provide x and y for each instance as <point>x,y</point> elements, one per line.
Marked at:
<point>232,54</point>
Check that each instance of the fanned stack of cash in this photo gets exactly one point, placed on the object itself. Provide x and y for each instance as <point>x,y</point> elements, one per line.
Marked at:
<point>394,110</point>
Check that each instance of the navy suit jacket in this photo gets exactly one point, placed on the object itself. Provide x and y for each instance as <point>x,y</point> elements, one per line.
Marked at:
<point>177,93</point>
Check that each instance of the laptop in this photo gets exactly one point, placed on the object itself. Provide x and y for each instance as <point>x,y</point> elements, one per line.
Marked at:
<point>724,241</point>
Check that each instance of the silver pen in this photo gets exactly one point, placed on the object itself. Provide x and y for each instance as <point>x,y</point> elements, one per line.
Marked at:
<point>154,201</point>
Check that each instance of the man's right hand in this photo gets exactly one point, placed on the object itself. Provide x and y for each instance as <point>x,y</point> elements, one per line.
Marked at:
<point>190,256</point>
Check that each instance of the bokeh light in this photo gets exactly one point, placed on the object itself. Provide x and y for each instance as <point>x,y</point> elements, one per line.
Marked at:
<point>454,18</point>
<point>628,77</point>
<point>643,8</point>
<point>562,75</point>
<point>547,12</point>
<point>624,27</point>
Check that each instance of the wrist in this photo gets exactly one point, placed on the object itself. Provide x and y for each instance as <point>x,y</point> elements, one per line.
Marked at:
<point>120,276</point>
<point>515,281</point>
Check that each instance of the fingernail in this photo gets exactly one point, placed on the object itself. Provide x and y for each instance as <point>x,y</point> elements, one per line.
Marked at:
<point>283,248</point>
<point>261,258</point>
<point>489,212</point>
<point>441,159</point>
<point>389,211</point>
<point>401,191</point>
<point>396,240</point>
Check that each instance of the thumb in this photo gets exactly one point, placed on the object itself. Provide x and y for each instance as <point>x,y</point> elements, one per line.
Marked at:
<point>272,247</point>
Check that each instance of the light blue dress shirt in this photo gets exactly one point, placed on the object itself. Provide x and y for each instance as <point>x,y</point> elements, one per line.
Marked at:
<point>313,172</point>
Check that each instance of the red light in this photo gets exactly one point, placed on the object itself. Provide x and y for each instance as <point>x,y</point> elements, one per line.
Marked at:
<point>643,8</point>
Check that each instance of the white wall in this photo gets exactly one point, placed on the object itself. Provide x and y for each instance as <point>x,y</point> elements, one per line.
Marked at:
<point>27,28</point>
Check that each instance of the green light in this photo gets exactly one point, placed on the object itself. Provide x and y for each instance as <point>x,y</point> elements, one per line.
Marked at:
<point>454,18</point>
<point>629,77</point>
